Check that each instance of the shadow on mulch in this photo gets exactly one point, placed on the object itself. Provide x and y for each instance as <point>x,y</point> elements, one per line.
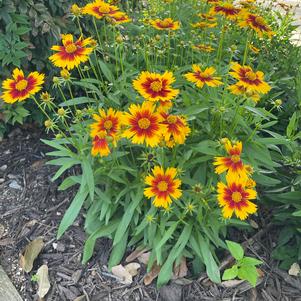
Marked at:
<point>31,206</point>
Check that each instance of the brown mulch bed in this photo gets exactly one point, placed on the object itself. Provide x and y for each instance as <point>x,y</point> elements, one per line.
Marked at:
<point>31,206</point>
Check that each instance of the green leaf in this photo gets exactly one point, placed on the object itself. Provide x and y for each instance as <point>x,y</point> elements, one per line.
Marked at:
<point>106,71</point>
<point>166,270</point>
<point>250,261</point>
<point>103,231</point>
<point>77,101</point>
<point>230,273</point>
<point>22,30</point>
<point>235,249</point>
<point>249,273</point>
<point>127,216</point>
<point>118,251</point>
<point>88,176</point>
<point>72,212</point>
<point>193,110</point>
<point>167,235</point>
<point>292,125</point>
<point>211,266</point>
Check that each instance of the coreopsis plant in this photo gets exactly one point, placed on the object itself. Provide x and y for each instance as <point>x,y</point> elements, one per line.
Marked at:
<point>169,156</point>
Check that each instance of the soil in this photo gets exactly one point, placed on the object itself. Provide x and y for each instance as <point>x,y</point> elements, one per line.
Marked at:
<point>31,207</point>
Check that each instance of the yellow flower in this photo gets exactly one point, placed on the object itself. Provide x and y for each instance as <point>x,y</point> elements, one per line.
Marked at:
<point>106,127</point>
<point>163,186</point>
<point>99,9</point>
<point>226,9</point>
<point>200,78</point>
<point>235,198</point>
<point>71,54</point>
<point>239,89</point>
<point>256,23</point>
<point>21,87</point>
<point>165,24</point>
<point>251,80</point>
<point>156,87</point>
<point>144,125</point>
<point>176,129</point>
<point>232,163</point>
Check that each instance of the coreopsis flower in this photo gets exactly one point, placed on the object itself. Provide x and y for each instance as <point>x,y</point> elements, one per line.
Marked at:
<point>100,9</point>
<point>232,163</point>
<point>106,127</point>
<point>165,24</point>
<point>256,23</point>
<point>251,80</point>
<point>143,124</point>
<point>200,78</point>
<point>226,9</point>
<point>71,54</point>
<point>177,129</point>
<point>155,86</point>
<point>21,87</point>
<point>239,89</point>
<point>164,186</point>
<point>202,25</point>
<point>203,47</point>
<point>164,106</point>
<point>235,198</point>
<point>120,18</point>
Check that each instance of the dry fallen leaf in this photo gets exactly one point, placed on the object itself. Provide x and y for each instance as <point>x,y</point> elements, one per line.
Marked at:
<point>181,270</point>
<point>294,269</point>
<point>154,272</point>
<point>43,281</point>
<point>144,258</point>
<point>231,283</point>
<point>135,254</point>
<point>80,298</point>
<point>32,250</point>
<point>122,273</point>
<point>133,268</point>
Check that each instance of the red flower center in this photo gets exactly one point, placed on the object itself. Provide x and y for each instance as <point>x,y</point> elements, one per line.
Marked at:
<point>156,86</point>
<point>71,48</point>
<point>235,158</point>
<point>250,75</point>
<point>144,123</point>
<point>21,85</point>
<point>236,197</point>
<point>108,124</point>
<point>171,119</point>
<point>162,186</point>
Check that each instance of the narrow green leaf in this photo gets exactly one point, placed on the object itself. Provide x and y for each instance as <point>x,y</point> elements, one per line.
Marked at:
<point>89,177</point>
<point>127,216</point>
<point>118,251</point>
<point>72,212</point>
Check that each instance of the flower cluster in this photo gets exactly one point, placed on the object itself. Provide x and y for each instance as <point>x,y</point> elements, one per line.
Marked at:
<point>235,195</point>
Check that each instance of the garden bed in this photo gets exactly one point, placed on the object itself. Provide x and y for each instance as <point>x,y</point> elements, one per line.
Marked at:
<point>31,207</point>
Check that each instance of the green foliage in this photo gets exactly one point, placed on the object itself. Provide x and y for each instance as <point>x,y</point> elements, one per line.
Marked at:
<point>110,188</point>
<point>244,268</point>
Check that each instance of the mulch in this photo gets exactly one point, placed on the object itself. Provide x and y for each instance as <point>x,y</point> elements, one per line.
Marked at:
<point>31,206</point>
